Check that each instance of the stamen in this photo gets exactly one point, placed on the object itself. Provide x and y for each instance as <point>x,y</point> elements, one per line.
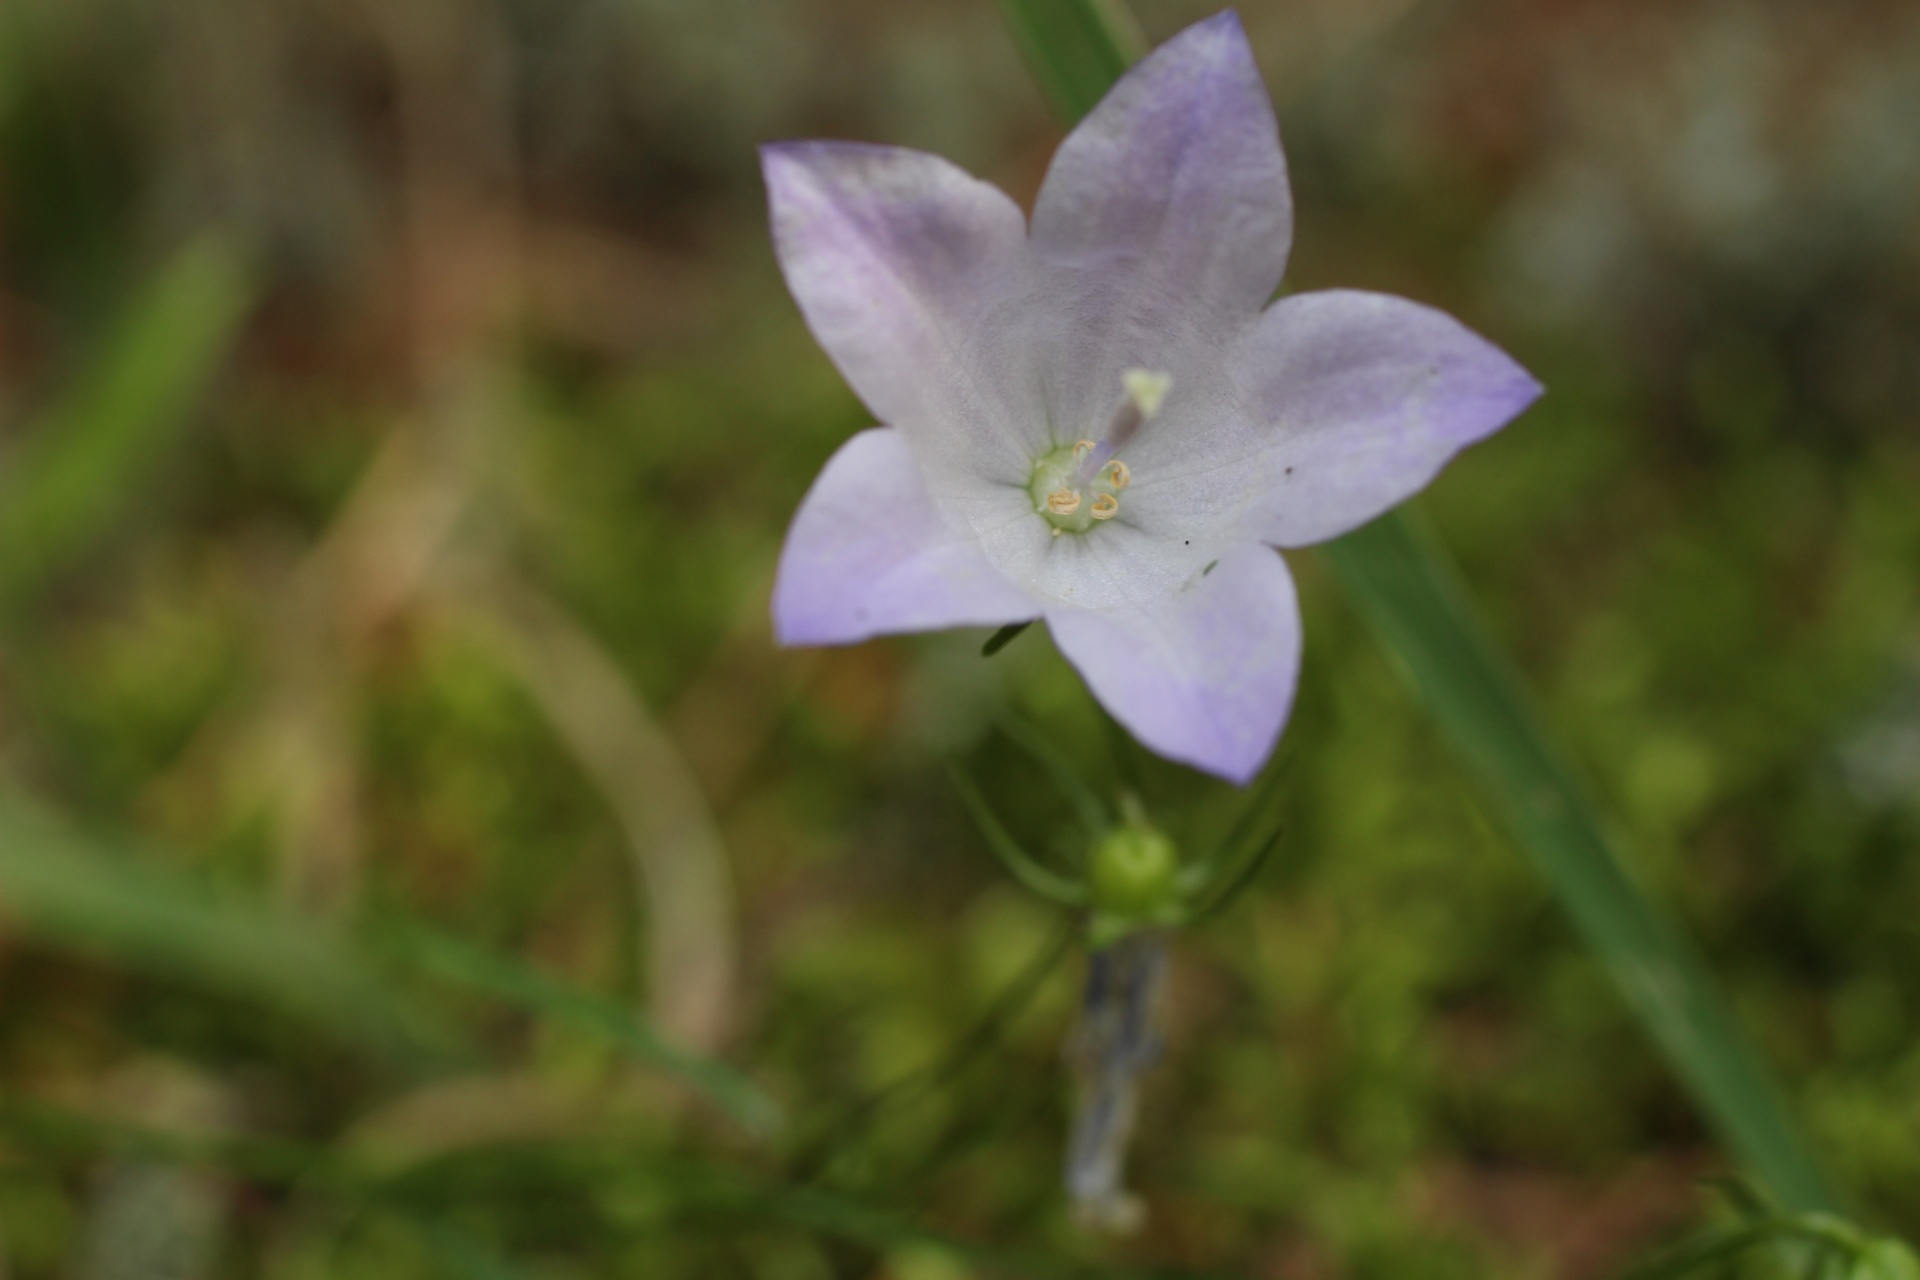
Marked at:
<point>1117,475</point>
<point>1105,507</point>
<point>1064,502</point>
<point>1081,448</point>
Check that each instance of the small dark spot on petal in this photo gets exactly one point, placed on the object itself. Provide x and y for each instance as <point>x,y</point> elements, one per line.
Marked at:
<point>1289,470</point>
<point>1187,542</point>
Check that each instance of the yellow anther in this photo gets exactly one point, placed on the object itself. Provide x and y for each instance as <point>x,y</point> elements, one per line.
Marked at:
<point>1081,448</point>
<point>1105,507</point>
<point>1117,475</point>
<point>1064,502</point>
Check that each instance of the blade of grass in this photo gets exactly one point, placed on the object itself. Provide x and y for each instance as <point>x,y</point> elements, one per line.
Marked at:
<point>1254,834</point>
<point>92,452</point>
<point>1075,48</point>
<point>67,891</point>
<point>1012,1001</point>
<point>1400,579</point>
<point>584,1171</point>
<point>1237,884</point>
<point>518,983</point>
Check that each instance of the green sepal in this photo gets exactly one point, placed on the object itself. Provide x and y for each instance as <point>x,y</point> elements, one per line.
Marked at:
<point>1028,871</point>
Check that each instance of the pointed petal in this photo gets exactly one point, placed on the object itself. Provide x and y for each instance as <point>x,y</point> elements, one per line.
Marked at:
<point>1164,221</point>
<point>1204,676</point>
<point>1349,403</point>
<point>908,271</point>
<point>868,555</point>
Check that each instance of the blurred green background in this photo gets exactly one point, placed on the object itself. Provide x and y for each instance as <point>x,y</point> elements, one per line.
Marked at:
<point>401,414</point>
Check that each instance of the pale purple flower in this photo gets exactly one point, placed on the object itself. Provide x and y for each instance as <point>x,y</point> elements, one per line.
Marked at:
<point>1024,471</point>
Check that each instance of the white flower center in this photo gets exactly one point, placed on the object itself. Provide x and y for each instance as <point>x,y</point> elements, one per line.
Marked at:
<point>1075,488</point>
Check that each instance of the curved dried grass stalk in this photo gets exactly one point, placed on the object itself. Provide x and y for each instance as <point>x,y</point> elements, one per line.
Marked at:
<point>678,856</point>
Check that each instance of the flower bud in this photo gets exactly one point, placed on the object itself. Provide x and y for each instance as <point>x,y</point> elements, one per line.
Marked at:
<point>1135,872</point>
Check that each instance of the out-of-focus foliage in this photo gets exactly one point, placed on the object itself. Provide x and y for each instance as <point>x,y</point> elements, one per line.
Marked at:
<point>432,597</point>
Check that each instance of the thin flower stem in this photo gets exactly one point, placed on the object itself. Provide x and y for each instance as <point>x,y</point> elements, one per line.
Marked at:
<point>980,1037</point>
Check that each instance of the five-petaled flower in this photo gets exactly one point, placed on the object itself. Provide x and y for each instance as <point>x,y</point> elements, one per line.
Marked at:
<point>1099,419</point>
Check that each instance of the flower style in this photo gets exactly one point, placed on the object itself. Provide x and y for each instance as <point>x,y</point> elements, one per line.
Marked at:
<point>1099,419</point>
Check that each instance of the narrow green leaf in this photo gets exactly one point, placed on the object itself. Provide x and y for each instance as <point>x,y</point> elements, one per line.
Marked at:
<point>1747,1200</point>
<point>1093,815</point>
<point>1254,835</point>
<point>970,1048</point>
<point>92,452</point>
<point>1076,48</point>
<point>1235,884</point>
<point>1047,884</point>
<point>1712,1250</point>
<point>518,983</point>
<point>1401,581</point>
<point>582,1170</point>
<point>1816,1242</point>
<point>66,891</point>
<point>1002,638</point>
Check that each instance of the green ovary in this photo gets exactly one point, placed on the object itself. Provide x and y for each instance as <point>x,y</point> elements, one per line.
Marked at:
<point>1072,508</point>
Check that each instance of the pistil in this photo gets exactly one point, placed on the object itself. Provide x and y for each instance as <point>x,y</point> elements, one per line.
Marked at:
<point>1064,480</point>
<point>1146,392</point>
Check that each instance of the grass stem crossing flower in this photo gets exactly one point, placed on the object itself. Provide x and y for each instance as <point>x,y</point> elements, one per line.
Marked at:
<point>1099,417</point>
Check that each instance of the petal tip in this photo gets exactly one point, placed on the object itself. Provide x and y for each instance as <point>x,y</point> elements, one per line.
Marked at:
<point>1240,772</point>
<point>1237,762</point>
<point>1226,22</point>
<point>777,153</point>
<point>1220,39</point>
<point>1508,396</point>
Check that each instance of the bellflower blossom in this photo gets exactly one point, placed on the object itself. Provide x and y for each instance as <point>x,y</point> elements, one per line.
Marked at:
<point>1098,419</point>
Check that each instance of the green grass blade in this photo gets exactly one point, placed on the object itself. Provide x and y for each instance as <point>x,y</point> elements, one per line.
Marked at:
<point>1075,48</point>
<point>1698,1255</point>
<point>92,453</point>
<point>1400,579</point>
<point>511,980</point>
<point>64,891</point>
<point>582,1171</point>
<point>1402,582</point>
